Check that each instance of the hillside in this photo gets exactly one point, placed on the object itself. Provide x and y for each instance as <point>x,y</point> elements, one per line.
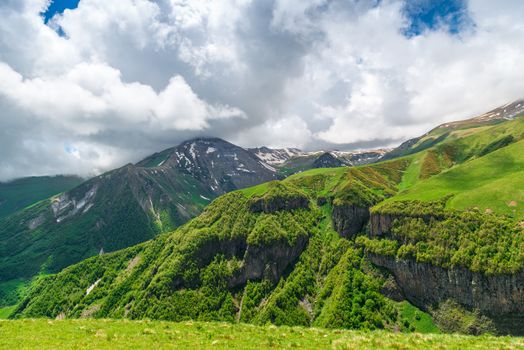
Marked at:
<point>482,169</point>
<point>123,334</point>
<point>399,245</point>
<point>18,194</point>
<point>247,257</point>
<point>459,129</point>
<point>456,232</point>
<point>121,208</point>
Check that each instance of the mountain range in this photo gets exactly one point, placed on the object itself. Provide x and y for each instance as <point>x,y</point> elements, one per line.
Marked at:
<point>134,203</point>
<point>289,161</point>
<point>125,206</point>
<point>430,236</point>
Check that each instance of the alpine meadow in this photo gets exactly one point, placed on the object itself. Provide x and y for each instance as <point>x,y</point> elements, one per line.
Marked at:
<point>237,174</point>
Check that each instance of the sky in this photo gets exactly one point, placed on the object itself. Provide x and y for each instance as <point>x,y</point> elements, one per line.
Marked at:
<point>90,85</point>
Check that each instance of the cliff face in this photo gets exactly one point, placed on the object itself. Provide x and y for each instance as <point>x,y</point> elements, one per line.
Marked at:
<point>501,296</point>
<point>267,261</point>
<point>425,285</point>
<point>257,262</point>
<point>277,203</point>
<point>349,219</point>
<point>380,225</point>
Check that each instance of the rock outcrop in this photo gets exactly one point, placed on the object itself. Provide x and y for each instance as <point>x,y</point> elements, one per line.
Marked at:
<point>498,296</point>
<point>349,219</point>
<point>268,261</point>
<point>276,203</point>
<point>425,285</point>
<point>380,224</point>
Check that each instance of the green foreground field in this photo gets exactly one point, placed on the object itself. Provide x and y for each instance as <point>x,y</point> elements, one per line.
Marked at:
<point>122,334</point>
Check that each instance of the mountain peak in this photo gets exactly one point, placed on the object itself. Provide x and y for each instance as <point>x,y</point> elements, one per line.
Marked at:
<point>327,160</point>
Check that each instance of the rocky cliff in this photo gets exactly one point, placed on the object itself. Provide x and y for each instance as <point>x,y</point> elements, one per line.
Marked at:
<point>268,262</point>
<point>274,204</point>
<point>498,296</point>
<point>349,219</point>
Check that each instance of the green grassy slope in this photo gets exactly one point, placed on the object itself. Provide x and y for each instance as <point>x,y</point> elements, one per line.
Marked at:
<point>477,205</point>
<point>448,133</point>
<point>20,193</point>
<point>118,334</point>
<point>492,182</point>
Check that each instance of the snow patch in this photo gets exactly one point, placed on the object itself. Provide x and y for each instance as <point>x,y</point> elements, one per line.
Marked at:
<point>192,150</point>
<point>268,167</point>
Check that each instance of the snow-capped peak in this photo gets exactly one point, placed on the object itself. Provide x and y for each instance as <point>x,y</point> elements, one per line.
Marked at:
<point>275,156</point>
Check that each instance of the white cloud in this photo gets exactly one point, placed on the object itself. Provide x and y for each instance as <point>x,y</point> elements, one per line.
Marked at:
<point>89,100</point>
<point>288,131</point>
<point>91,97</point>
<point>399,87</point>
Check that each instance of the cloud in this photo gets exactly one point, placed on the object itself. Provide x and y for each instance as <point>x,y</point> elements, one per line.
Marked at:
<point>289,131</point>
<point>91,97</point>
<point>397,86</point>
<point>90,100</point>
<point>111,81</point>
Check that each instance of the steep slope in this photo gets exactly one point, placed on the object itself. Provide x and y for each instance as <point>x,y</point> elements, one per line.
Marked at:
<point>458,129</point>
<point>18,194</point>
<point>123,207</point>
<point>218,164</point>
<point>265,254</point>
<point>459,236</point>
<point>490,183</point>
<point>462,147</point>
<point>305,251</point>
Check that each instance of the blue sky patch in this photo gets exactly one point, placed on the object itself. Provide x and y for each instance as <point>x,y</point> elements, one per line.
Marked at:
<point>423,15</point>
<point>58,6</point>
